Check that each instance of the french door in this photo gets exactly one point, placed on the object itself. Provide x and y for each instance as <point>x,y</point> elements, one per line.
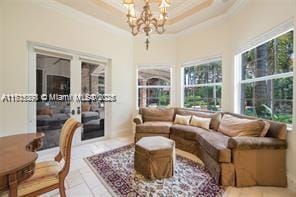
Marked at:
<point>64,80</point>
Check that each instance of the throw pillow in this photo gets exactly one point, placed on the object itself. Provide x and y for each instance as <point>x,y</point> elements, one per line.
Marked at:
<point>215,117</point>
<point>182,119</point>
<point>233,126</point>
<point>200,122</point>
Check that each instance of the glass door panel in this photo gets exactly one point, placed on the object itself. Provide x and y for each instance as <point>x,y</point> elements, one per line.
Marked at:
<point>92,112</point>
<point>52,79</point>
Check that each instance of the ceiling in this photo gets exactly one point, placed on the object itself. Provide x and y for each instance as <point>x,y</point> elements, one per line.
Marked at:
<point>183,14</point>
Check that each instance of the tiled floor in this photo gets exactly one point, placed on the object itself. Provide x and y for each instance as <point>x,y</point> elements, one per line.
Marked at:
<point>82,182</point>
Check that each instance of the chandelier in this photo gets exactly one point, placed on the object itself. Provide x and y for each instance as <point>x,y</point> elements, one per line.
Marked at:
<point>146,22</point>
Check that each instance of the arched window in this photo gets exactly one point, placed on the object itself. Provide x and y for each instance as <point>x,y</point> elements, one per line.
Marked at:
<point>154,86</point>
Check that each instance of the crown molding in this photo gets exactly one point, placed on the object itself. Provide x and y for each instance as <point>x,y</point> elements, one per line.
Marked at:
<point>215,20</point>
<point>80,16</point>
<point>117,4</point>
<point>187,4</point>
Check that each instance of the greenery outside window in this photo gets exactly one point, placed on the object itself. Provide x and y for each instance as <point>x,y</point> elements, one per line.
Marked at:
<point>202,85</point>
<point>154,86</point>
<point>266,85</point>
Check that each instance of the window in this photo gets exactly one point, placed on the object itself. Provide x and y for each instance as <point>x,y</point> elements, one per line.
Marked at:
<point>202,85</point>
<point>266,84</point>
<point>154,87</point>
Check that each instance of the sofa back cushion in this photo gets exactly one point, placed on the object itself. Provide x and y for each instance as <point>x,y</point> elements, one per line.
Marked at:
<point>157,114</point>
<point>233,126</point>
<point>276,129</point>
<point>215,116</point>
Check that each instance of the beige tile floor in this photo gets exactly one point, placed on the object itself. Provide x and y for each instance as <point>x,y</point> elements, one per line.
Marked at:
<point>82,182</point>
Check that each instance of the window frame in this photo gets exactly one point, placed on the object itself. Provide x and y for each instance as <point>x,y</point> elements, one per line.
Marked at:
<point>154,66</point>
<point>196,63</point>
<point>238,69</point>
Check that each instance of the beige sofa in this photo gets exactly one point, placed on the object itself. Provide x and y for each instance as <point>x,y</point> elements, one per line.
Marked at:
<point>232,161</point>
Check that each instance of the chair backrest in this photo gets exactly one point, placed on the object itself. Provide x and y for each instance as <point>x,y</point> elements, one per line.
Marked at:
<point>66,137</point>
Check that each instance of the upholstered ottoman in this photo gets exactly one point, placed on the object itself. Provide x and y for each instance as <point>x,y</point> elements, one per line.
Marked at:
<point>155,157</point>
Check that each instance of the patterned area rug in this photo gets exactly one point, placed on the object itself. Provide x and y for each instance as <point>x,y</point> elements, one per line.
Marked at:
<point>116,170</point>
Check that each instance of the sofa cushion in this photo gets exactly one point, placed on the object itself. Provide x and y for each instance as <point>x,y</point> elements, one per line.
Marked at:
<point>215,144</point>
<point>154,127</point>
<point>276,129</point>
<point>215,117</point>
<point>157,114</point>
<point>233,126</point>
<point>186,132</point>
<point>256,143</point>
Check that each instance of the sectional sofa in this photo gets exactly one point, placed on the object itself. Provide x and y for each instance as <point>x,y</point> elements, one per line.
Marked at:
<point>232,161</point>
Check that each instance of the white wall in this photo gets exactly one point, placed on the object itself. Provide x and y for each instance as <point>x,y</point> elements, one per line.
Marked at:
<point>253,19</point>
<point>50,23</point>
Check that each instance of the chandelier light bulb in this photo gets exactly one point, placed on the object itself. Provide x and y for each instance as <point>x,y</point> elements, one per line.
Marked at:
<point>164,4</point>
<point>128,2</point>
<point>132,11</point>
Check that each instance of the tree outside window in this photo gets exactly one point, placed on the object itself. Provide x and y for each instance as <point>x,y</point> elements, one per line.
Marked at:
<point>202,85</point>
<point>267,80</point>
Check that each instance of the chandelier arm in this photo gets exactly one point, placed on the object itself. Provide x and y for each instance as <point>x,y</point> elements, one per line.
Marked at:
<point>159,27</point>
<point>134,32</point>
<point>160,31</point>
<point>139,24</point>
<point>154,21</point>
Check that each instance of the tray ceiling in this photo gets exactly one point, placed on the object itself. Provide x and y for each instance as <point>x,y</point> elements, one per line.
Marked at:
<point>182,13</point>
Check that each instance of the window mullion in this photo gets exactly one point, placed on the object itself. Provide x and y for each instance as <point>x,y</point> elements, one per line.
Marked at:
<point>270,77</point>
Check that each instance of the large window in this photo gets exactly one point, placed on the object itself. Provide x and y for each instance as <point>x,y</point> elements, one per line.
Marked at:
<point>267,80</point>
<point>202,85</point>
<point>154,87</point>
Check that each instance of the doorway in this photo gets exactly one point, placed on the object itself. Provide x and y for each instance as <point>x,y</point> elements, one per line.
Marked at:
<point>59,73</point>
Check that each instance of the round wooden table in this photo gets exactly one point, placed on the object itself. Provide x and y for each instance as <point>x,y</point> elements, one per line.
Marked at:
<point>17,159</point>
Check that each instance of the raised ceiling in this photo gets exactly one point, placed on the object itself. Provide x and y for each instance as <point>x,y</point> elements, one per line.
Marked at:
<point>183,14</point>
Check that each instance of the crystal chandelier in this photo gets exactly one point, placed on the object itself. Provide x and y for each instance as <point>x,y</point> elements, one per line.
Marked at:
<point>146,22</point>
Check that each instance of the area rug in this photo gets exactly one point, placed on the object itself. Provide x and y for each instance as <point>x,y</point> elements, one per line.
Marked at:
<point>115,168</point>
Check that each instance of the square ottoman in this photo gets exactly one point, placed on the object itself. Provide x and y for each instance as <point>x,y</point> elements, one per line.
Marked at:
<point>155,157</point>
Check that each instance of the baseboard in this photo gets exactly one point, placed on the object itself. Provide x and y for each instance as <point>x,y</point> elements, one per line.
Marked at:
<point>292,182</point>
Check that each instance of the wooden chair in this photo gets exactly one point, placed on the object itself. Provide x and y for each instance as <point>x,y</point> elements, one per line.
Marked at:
<point>49,175</point>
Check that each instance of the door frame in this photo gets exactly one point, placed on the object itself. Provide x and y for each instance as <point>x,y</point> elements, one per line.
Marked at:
<point>76,57</point>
